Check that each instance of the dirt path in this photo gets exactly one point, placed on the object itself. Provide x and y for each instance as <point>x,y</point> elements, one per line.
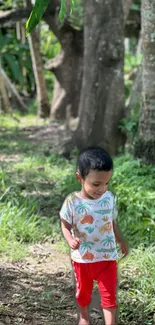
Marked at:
<point>39,290</point>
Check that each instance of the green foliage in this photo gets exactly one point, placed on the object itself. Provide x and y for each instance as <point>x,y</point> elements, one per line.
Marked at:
<point>136,5</point>
<point>39,9</point>
<point>11,4</point>
<point>129,126</point>
<point>137,288</point>
<point>14,57</point>
<point>131,61</point>
<point>134,185</point>
<point>63,10</point>
<point>76,15</point>
<point>130,65</point>
<point>36,14</point>
<point>50,46</point>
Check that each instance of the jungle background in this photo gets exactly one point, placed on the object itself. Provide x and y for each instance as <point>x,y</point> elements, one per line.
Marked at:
<point>86,79</point>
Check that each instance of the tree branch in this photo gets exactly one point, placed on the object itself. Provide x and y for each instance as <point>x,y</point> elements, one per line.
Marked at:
<point>12,16</point>
<point>132,26</point>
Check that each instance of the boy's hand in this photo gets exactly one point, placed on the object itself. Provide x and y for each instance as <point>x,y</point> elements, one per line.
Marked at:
<point>124,247</point>
<point>74,243</point>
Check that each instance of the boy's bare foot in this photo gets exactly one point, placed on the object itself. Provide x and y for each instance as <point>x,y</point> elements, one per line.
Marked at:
<point>83,321</point>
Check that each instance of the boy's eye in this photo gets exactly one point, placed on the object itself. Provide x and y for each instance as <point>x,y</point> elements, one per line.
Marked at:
<point>96,184</point>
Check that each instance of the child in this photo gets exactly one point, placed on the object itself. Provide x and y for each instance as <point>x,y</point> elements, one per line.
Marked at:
<point>89,227</point>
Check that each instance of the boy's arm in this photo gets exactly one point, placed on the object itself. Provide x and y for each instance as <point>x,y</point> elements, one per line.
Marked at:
<point>117,233</point>
<point>66,230</point>
<point>123,245</point>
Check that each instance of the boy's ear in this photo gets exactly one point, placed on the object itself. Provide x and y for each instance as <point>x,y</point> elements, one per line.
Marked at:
<point>78,176</point>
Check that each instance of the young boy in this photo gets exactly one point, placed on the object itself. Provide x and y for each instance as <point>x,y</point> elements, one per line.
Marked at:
<point>89,227</point>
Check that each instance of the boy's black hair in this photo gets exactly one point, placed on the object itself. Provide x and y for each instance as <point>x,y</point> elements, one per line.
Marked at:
<point>95,158</point>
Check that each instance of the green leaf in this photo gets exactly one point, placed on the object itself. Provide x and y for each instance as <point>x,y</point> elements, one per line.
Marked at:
<point>14,67</point>
<point>62,12</point>
<point>72,5</point>
<point>38,11</point>
<point>36,14</point>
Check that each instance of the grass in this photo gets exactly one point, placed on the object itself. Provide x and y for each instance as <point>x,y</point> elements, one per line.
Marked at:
<point>137,287</point>
<point>33,187</point>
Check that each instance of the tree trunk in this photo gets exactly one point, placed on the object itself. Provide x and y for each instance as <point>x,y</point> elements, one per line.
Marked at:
<point>68,66</point>
<point>42,95</point>
<point>3,94</point>
<point>68,69</point>
<point>145,144</point>
<point>102,96</point>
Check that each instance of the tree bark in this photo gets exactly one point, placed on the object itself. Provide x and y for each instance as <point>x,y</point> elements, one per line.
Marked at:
<point>42,95</point>
<point>68,69</point>
<point>145,143</point>
<point>68,66</point>
<point>14,15</point>
<point>102,96</point>
<point>3,94</point>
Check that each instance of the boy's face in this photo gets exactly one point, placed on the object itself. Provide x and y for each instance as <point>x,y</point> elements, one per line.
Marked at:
<point>95,183</point>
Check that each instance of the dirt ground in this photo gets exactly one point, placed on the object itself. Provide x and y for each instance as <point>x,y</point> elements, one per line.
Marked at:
<point>40,290</point>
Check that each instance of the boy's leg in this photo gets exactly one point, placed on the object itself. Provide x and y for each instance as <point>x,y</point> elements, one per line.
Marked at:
<point>110,316</point>
<point>107,284</point>
<point>84,286</point>
<point>83,317</point>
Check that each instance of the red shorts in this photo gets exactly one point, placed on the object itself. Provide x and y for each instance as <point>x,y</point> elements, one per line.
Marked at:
<point>105,273</point>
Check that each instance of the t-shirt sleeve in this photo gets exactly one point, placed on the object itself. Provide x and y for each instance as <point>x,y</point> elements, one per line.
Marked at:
<point>66,211</point>
<point>114,210</point>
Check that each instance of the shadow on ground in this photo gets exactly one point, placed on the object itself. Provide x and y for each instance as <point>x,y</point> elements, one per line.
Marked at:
<point>17,141</point>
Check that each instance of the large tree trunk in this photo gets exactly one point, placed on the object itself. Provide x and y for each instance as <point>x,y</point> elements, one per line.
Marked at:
<point>42,95</point>
<point>102,96</point>
<point>145,144</point>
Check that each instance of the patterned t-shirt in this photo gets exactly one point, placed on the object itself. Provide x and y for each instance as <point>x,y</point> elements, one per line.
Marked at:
<point>92,222</point>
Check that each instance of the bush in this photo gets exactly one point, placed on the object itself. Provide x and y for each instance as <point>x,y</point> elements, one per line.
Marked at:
<point>134,185</point>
